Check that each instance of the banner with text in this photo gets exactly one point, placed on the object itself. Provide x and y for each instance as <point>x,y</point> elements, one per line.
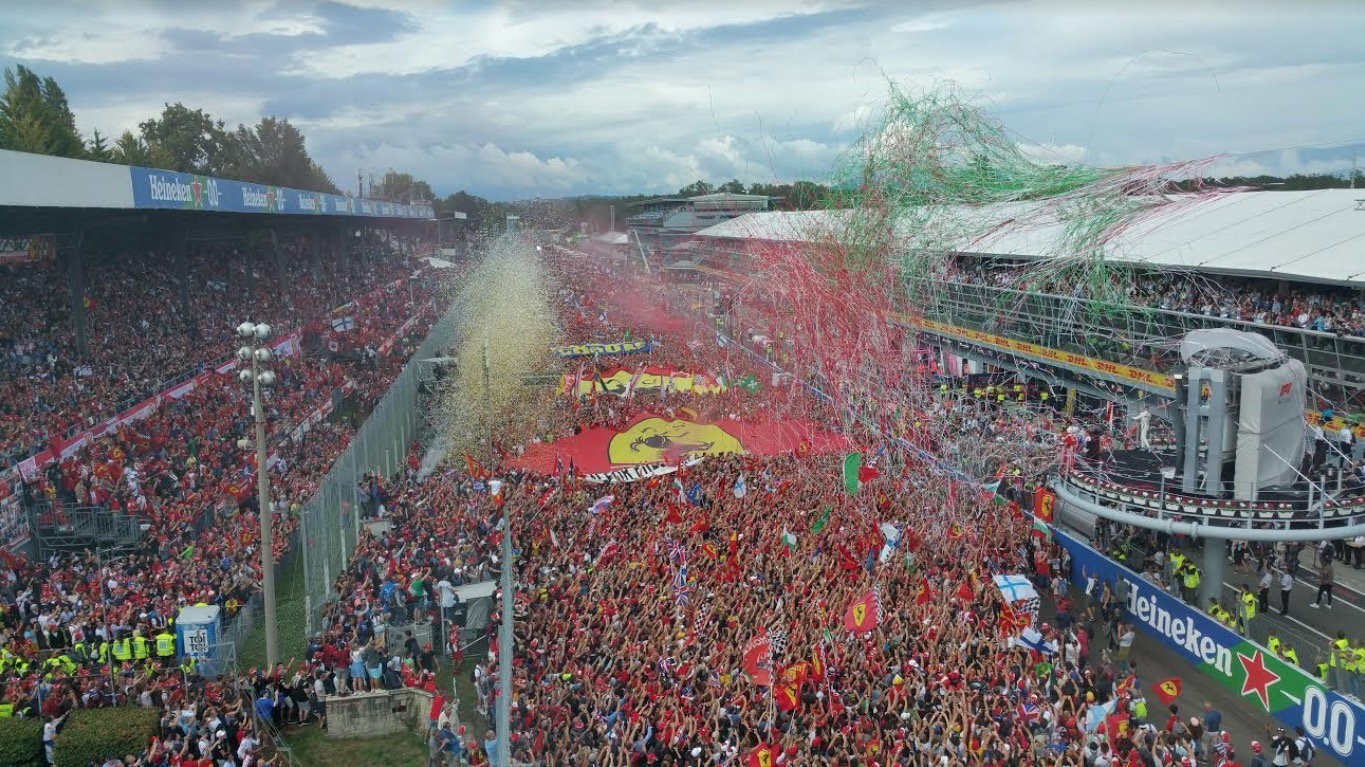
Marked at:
<point>1265,682</point>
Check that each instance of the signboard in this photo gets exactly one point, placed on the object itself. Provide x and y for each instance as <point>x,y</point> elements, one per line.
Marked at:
<point>597,350</point>
<point>1145,378</point>
<point>169,190</point>
<point>1264,682</point>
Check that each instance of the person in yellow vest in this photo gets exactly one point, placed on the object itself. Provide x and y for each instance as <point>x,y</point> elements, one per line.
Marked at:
<point>6,710</point>
<point>1177,561</point>
<point>165,644</point>
<point>140,649</point>
<point>1272,641</point>
<point>1216,610</point>
<point>102,655</point>
<point>187,665</point>
<point>1190,583</point>
<point>122,649</point>
<point>1337,656</point>
<point>1358,656</point>
<point>1321,668</point>
<point>1289,654</point>
<point>1248,611</point>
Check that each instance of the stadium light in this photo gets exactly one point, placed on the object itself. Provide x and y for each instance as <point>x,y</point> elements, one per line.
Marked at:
<point>256,352</point>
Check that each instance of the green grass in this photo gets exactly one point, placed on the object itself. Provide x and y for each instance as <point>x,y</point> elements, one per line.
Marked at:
<point>290,619</point>
<point>314,748</point>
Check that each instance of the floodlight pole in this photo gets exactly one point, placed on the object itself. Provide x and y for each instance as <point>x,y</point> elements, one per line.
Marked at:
<point>272,639</point>
<point>504,712</point>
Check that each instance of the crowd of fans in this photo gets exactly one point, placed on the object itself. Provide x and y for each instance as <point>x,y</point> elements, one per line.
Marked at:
<point>636,603</point>
<point>1264,302</point>
<point>139,333</point>
<point>620,661</point>
<point>84,630</point>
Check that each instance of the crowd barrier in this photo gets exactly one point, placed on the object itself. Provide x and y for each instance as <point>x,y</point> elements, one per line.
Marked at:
<point>1281,690</point>
<point>331,519</point>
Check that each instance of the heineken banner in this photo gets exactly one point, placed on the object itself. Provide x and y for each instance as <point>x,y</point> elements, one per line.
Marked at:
<point>1266,683</point>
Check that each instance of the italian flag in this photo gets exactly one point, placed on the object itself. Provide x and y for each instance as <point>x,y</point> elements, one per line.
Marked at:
<point>789,540</point>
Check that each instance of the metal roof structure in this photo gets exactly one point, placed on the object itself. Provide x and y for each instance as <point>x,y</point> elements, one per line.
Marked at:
<point>1316,236</point>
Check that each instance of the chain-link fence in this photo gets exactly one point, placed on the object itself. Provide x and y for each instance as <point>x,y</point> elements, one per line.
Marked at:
<point>331,520</point>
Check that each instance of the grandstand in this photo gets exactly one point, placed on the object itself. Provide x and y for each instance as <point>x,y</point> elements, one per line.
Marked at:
<point>1295,257</point>
<point>122,286</point>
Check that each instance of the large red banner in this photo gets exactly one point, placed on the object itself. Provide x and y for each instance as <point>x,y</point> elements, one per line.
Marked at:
<point>654,439</point>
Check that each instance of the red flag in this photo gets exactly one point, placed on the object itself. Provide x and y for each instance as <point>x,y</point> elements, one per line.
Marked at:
<point>924,593</point>
<point>863,614</point>
<point>965,592</point>
<point>701,525</point>
<point>795,674</point>
<point>1125,686</point>
<point>867,473</point>
<point>1043,502</point>
<point>1117,726</point>
<point>786,698</point>
<point>474,468</point>
<point>1168,689</point>
<point>673,518</point>
<point>758,659</point>
<point>763,756</point>
<point>817,665</point>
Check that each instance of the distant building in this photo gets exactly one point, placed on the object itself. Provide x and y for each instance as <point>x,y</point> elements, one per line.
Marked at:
<point>663,224</point>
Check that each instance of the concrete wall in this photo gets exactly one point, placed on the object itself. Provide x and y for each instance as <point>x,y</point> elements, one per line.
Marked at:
<point>369,714</point>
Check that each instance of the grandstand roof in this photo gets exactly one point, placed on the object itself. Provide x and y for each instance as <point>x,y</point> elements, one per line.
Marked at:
<point>1314,235</point>
<point>38,181</point>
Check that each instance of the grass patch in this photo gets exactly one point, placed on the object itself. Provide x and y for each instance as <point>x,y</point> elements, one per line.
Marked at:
<point>292,623</point>
<point>314,748</point>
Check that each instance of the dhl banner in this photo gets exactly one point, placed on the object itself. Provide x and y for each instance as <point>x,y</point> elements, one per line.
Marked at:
<point>600,350</point>
<point>651,379</point>
<point>652,440</point>
<point>1147,378</point>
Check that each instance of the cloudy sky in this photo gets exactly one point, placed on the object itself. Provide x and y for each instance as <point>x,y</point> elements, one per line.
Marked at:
<point>546,98</point>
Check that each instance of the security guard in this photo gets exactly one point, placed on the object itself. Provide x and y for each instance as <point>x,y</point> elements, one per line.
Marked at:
<point>187,665</point>
<point>1216,610</point>
<point>141,651</point>
<point>1337,655</point>
<point>1321,668</point>
<point>1288,653</point>
<point>1177,561</point>
<point>1248,608</point>
<point>1358,652</point>
<point>1272,641</point>
<point>165,644</point>
<point>80,651</point>
<point>122,650</point>
<point>1190,582</point>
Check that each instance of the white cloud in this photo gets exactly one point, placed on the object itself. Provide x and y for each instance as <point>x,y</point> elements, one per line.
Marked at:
<point>761,91</point>
<point>1053,153</point>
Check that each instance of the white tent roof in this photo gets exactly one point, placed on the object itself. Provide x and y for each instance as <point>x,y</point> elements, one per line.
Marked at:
<point>1316,235</point>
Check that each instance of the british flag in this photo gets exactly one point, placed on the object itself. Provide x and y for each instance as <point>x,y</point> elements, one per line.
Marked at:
<point>682,593</point>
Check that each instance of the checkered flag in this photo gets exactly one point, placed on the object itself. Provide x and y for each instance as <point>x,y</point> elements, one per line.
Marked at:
<point>777,639</point>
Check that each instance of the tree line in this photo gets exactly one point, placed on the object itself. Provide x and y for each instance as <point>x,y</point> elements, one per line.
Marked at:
<point>36,117</point>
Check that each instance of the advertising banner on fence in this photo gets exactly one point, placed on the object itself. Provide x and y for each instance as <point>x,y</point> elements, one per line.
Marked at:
<point>1264,682</point>
<point>656,440</point>
<point>164,189</point>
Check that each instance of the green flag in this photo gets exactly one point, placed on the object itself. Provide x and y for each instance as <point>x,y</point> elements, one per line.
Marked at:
<point>187,552</point>
<point>749,383</point>
<point>822,521</point>
<point>852,463</point>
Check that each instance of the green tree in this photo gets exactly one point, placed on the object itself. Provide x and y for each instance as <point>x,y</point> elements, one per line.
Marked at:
<point>97,148</point>
<point>400,187</point>
<point>696,188</point>
<point>132,150</point>
<point>190,139</point>
<point>273,152</point>
<point>35,116</point>
<point>733,186</point>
